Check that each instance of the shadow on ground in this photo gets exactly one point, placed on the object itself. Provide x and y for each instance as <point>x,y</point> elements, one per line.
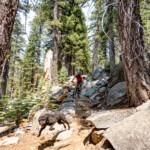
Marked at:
<point>49,143</point>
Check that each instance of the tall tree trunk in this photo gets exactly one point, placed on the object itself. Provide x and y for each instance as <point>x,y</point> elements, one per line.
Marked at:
<point>57,37</point>
<point>66,62</point>
<point>60,54</point>
<point>8,9</point>
<point>111,35</point>
<point>37,70</point>
<point>134,55</point>
<point>95,57</point>
<point>11,74</point>
<point>4,76</point>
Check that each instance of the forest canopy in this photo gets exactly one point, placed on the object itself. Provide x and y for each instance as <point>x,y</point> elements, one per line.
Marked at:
<point>61,41</point>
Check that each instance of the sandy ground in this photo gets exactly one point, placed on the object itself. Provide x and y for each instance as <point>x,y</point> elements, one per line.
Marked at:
<point>29,141</point>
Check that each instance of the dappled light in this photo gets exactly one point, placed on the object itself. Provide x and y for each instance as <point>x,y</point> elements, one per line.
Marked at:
<point>74,75</point>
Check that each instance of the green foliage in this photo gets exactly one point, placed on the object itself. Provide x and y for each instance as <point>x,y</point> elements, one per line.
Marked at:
<point>63,75</point>
<point>15,65</point>
<point>24,84</point>
<point>56,22</point>
<point>102,20</point>
<point>3,103</point>
<point>18,108</point>
<point>31,61</point>
<point>24,6</point>
<point>99,39</point>
<point>2,116</point>
<point>74,42</point>
<point>107,67</point>
<point>15,109</point>
<point>145,11</point>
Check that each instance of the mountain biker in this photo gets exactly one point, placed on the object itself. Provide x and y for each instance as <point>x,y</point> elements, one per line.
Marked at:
<point>79,79</point>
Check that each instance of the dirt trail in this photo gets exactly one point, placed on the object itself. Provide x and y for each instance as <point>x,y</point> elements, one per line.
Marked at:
<point>30,141</point>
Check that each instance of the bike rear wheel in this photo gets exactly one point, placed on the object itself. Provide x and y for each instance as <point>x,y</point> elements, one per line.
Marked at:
<point>76,93</point>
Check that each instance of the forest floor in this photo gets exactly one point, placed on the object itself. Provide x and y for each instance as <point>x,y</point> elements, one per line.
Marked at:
<point>30,141</point>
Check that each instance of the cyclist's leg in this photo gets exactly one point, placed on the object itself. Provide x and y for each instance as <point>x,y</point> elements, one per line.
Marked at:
<point>80,86</point>
<point>75,91</point>
<point>79,89</point>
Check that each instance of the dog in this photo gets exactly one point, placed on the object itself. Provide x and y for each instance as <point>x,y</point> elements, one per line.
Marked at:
<point>50,119</point>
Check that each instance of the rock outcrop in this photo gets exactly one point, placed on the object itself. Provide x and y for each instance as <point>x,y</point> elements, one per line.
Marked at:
<point>107,118</point>
<point>116,94</point>
<point>99,73</point>
<point>132,133</point>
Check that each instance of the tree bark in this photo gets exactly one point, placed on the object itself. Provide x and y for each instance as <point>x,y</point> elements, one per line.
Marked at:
<point>4,76</point>
<point>111,35</point>
<point>37,70</point>
<point>116,75</point>
<point>57,37</point>
<point>95,57</point>
<point>8,9</point>
<point>134,55</point>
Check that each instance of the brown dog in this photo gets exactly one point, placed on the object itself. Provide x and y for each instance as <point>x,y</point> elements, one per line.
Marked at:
<point>50,119</point>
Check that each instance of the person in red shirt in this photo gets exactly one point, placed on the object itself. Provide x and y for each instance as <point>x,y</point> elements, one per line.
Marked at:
<point>79,79</point>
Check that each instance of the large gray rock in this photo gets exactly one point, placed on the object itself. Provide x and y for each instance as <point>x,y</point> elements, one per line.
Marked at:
<point>67,105</point>
<point>97,96</point>
<point>116,94</point>
<point>69,114</point>
<point>101,90</point>
<point>56,92</point>
<point>102,83</point>
<point>19,132</point>
<point>2,129</point>
<point>98,74</point>
<point>68,99</point>
<point>8,141</point>
<point>132,133</point>
<point>65,134</point>
<point>97,87</point>
<point>107,118</point>
<point>94,96</point>
<point>89,91</point>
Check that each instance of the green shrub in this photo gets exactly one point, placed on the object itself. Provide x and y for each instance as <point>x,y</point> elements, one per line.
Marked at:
<point>63,73</point>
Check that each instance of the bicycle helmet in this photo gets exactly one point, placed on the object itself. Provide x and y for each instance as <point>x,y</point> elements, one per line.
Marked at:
<point>78,72</point>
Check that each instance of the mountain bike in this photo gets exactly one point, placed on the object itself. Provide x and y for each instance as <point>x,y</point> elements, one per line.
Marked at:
<point>77,91</point>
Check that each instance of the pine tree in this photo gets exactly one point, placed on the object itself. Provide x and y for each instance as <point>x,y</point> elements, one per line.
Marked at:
<point>58,32</point>
<point>8,11</point>
<point>111,34</point>
<point>135,55</point>
<point>12,63</point>
<point>98,39</point>
<point>104,38</point>
<point>74,45</point>
<point>49,13</point>
<point>31,60</point>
